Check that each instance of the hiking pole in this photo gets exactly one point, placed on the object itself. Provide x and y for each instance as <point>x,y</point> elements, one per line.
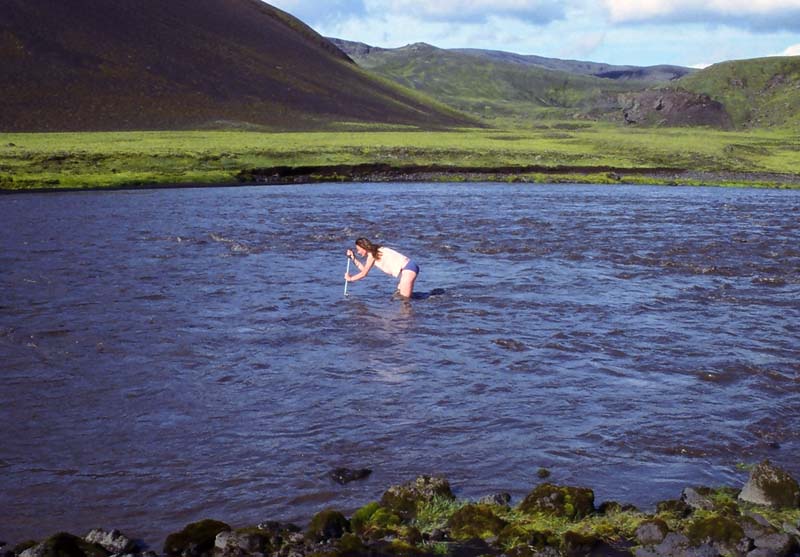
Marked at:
<point>345,280</point>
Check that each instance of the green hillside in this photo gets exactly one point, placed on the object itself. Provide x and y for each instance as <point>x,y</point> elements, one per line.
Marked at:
<point>762,92</point>
<point>494,89</point>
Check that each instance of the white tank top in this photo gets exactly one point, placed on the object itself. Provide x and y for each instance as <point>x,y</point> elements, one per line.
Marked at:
<point>391,262</point>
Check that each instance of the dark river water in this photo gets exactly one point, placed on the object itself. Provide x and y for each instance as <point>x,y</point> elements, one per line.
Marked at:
<point>173,355</point>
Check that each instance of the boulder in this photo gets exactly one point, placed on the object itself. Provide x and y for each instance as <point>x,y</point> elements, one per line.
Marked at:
<point>652,532</point>
<point>677,545</point>
<point>279,532</point>
<point>574,544</point>
<point>778,544</point>
<point>498,499</point>
<point>195,540</point>
<point>403,499</point>
<point>697,498</point>
<point>242,543</point>
<point>327,525</point>
<point>346,475</point>
<point>771,486</point>
<point>721,532</point>
<point>475,521</point>
<point>675,507</point>
<point>573,503</point>
<point>65,545</point>
<point>378,524</point>
<point>113,541</point>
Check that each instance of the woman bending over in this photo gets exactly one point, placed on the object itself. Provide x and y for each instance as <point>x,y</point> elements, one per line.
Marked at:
<point>387,260</point>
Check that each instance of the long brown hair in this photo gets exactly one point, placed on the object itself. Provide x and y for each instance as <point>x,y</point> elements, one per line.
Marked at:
<point>370,247</point>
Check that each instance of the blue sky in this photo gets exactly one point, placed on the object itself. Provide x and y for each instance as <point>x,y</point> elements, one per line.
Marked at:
<point>636,32</point>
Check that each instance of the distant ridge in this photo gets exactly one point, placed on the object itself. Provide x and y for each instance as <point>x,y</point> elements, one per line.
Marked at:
<point>155,64</point>
<point>359,51</point>
<point>597,69</point>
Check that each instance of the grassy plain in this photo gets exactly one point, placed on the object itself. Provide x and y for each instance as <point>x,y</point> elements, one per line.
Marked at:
<point>131,159</point>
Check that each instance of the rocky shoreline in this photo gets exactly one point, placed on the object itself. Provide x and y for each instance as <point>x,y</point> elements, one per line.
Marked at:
<point>423,518</point>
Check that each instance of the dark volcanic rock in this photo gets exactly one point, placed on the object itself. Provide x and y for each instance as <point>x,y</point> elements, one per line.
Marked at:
<point>673,107</point>
<point>347,475</point>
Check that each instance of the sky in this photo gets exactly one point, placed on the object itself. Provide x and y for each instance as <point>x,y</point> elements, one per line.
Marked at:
<point>624,32</point>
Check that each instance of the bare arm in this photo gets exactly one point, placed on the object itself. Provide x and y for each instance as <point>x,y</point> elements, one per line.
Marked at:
<point>363,268</point>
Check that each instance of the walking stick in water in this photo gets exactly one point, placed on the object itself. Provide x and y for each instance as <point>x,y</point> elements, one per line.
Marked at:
<point>345,280</point>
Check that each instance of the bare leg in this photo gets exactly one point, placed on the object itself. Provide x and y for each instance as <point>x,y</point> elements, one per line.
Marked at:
<point>406,285</point>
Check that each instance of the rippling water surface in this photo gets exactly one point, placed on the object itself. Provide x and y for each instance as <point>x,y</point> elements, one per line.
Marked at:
<point>182,354</point>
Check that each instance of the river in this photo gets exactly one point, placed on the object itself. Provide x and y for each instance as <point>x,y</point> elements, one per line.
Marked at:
<point>179,354</point>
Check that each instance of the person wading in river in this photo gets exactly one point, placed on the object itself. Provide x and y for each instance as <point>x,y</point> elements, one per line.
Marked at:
<point>387,260</point>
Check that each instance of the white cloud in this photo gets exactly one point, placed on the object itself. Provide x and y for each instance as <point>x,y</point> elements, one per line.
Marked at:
<point>542,11</point>
<point>793,50</point>
<point>534,11</point>
<point>756,14</point>
<point>578,29</point>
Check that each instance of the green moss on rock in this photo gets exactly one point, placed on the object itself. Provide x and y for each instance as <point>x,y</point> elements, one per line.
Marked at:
<point>326,525</point>
<point>575,543</point>
<point>351,545</point>
<point>716,529</point>
<point>573,503</point>
<point>475,521</point>
<point>674,507</point>
<point>362,516</point>
<point>195,539</point>
<point>515,535</point>
<point>403,499</point>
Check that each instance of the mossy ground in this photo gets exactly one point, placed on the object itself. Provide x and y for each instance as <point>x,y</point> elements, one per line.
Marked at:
<point>131,159</point>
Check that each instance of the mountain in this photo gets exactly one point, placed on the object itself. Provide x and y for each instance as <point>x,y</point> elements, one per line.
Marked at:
<point>492,84</point>
<point>761,92</point>
<point>154,64</point>
<point>362,53</point>
<point>608,71</point>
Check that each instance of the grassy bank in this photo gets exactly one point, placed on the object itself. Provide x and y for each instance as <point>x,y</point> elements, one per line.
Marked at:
<point>129,159</point>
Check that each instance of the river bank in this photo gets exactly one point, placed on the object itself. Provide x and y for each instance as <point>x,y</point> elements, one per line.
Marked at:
<point>383,173</point>
<point>515,174</point>
<point>546,152</point>
<point>424,518</point>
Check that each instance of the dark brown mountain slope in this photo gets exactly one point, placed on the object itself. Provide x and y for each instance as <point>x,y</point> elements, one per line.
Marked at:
<point>178,64</point>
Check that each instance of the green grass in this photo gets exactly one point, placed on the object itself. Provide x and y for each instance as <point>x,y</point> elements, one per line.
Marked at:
<point>128,159</point>
<point>757,93</point>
